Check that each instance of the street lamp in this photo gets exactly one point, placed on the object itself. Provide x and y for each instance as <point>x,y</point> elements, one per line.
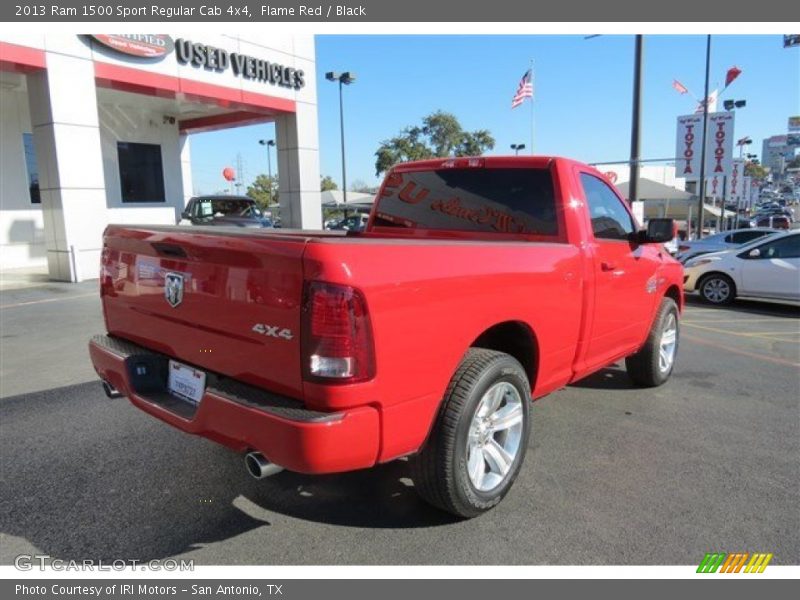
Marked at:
<point>517,147</point>
<point>268,143</point>
<point>731,104</point>
<point>745,141</point>
<point>345,78</point>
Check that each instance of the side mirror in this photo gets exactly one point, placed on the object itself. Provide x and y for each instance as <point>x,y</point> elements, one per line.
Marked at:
<point>754,253</point>
<point>659,231</point>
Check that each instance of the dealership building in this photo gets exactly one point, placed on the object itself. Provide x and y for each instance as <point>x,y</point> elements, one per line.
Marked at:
<point>97,130</point>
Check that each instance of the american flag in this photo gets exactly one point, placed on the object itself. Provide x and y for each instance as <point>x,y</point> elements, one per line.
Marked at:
<point>525,89</point>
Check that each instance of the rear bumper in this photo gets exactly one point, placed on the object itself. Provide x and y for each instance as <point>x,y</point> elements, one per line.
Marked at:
<point>243,417</point>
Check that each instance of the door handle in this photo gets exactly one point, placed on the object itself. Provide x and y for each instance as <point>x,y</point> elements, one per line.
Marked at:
<point>607,266</point>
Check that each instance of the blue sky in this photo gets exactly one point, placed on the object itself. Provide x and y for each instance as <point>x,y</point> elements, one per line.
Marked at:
<point>582,95</point>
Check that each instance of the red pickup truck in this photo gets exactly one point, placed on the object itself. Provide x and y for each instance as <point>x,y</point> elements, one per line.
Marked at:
<point>478,285</point>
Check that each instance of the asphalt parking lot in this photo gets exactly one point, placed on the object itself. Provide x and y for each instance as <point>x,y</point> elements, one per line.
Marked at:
<point>614,474</point>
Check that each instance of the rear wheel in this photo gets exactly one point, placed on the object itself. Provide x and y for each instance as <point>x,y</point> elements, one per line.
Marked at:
<point>652,365</point>
<point>479,440</point>
<point>717,288</point>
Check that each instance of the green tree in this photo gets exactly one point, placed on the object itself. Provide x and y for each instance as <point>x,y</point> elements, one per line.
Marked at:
<point>361,186</point>
<point>440,135</point>
<point>755,170</point>
<point>327,183</point>
<point>264,191</point>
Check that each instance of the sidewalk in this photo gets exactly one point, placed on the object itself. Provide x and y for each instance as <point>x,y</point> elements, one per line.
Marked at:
<point>24,277</point>
<point>46,326</point>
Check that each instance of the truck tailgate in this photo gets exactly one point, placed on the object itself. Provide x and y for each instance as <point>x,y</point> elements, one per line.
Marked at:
<point>224,300</point>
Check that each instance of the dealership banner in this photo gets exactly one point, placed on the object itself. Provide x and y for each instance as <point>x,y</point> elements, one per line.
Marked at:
<point>715,186</point>
<point>735,187</point>
<point>747,192</point>
<point>719,145</point>
<point>688,146</point>
<point>369,11</point>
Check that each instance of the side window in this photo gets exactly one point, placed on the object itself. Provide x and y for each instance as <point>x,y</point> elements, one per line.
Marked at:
<point>787,247</point>
<point>610,218</point>
<point>743,237</point>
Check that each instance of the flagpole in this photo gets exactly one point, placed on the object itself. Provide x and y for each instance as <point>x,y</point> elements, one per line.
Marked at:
<point>533,122</point>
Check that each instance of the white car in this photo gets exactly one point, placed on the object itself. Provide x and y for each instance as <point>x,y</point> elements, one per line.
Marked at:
<point>720,241</point>
<point>767,268</point>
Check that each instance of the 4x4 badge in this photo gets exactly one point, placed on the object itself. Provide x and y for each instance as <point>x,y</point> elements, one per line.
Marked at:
<point>173,289</point>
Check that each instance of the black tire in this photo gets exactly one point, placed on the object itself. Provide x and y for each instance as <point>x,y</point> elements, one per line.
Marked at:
<point>644,367</point>
<point>712,288</point>
<point>440,471</point>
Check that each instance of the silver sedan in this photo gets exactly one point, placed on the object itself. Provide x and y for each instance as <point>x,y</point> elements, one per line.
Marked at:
<point>721,241</point>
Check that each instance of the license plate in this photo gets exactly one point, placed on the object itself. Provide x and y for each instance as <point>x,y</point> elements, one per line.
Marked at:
<point>186,382</point>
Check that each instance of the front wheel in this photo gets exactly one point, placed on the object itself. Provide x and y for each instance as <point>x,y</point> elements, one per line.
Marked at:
<point>717,289</point>
<point>478,442</point>
<point>652,365</point>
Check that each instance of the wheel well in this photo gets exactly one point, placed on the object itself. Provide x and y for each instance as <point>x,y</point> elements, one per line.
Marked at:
<point>674,292</point>
<point>517,339</point>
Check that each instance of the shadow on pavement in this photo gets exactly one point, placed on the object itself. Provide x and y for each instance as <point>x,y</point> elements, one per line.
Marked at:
<point>609,378</point>
<point>747,307</point>
<point>88,477</point>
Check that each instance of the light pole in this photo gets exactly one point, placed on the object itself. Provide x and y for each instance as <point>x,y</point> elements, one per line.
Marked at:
<point>636,121</point>
<point>702,198</point>
<point>636,116</point>
<point>516,148</point>
<point>268,143</point>
<point>345,78</point>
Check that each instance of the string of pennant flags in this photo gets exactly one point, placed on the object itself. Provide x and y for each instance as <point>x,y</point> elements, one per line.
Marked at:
<point>730,76</point>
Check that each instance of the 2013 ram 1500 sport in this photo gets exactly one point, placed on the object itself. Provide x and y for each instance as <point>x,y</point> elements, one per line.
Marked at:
<point>478,284</point>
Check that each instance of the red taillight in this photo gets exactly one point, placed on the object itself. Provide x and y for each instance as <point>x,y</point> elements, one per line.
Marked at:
<point>337,337</point>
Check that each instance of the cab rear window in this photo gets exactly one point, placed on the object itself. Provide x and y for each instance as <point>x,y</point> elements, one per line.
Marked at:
<point>518,201</point>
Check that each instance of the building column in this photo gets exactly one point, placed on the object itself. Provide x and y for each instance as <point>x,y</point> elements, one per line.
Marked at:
<point>298,168</point>
<point>186,168</point>
<point>66,135</point>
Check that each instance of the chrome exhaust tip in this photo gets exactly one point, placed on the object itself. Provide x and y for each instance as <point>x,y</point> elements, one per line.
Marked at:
<point>259,467</point>
<point>111,391</point>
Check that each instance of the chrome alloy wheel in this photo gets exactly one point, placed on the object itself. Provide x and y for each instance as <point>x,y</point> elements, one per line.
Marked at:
<point>716,290</point>
<point>668,343</point>
<point>494,436</point>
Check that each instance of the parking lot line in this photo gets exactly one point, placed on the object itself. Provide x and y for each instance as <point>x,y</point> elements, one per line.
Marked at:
<point>736,333</point>
<point>772,359</point>
<point>45,300</point>
<point>760,333</point>
<point>770,320</point>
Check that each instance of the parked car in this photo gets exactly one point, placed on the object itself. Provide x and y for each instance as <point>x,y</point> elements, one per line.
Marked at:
<point>479,284</point>
<point>771,222</point>
<point>775,211</point>
<point>356,222</point>
<point>767,268</point>
<point>237,211</point>
<point>720,241</point>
